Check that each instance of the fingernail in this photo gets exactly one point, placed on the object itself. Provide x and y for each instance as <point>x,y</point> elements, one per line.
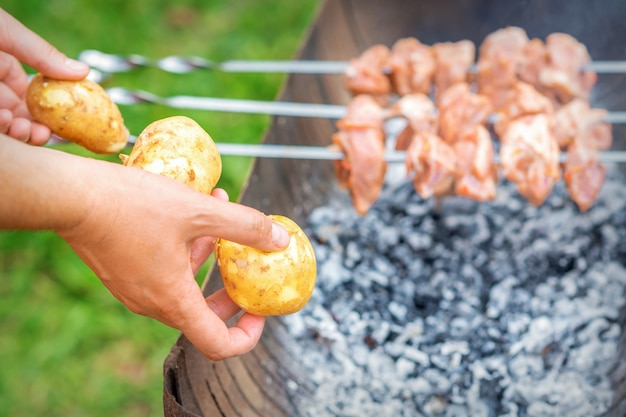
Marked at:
<point>280,237</point>
<point>75,65</point>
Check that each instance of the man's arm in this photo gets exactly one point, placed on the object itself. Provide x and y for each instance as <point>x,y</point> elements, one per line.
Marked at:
<point>142,234</point>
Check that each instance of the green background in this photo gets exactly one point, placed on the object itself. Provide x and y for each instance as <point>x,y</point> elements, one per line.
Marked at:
<point>69,348</point>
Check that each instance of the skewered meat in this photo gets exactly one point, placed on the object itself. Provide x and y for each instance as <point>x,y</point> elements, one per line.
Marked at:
<point>453,61</point>
<point>523,100</point>
<point>538,90</point>
<point>420,113</point>
<point>432,163</point>
<point>476,174</point>
<point>412,66</point>
<point>584,175</point>
<point>577,120</point>
<point>497,64</point>
<point>460,110</point>
<point>367,74</point>
<point>555,68</point>
<point>531,62</point>
<point>583,131</point>
<point>563,74</point>
<point>530,157</point>
<point>361,137</point>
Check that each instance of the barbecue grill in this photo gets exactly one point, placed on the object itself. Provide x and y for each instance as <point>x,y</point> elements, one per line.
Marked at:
<point>271,380</point>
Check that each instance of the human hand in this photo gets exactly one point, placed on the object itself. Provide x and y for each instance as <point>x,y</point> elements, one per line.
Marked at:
<point>19,44</point>
<point>146,236</point>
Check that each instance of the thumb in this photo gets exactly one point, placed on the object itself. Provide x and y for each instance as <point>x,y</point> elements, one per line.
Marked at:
<point>28,47</point>
<point>241,224</point>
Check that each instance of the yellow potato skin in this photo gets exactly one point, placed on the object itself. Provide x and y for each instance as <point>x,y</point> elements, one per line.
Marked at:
<point>79,111</point>
<point>179,148</point>
<point>269,283</point>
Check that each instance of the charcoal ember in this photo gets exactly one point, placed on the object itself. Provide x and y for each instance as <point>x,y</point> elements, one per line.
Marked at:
<point>464,308</point>
<point>404,368</point>
<point>538,337</point>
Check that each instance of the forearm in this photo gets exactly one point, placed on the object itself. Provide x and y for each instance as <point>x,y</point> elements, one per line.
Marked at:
<point>42,188</point>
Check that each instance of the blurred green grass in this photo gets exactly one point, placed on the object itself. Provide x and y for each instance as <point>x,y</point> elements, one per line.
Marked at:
<point>68,347</point>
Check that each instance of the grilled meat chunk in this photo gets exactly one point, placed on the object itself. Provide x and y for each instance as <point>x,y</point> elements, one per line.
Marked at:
<point>460,110</point>
<point>412,66</point>
<point>497,64</point>
<point>420,113</point>
<point>432,163</point>
<point>476,173</point>
<point>584,175</point>
<point>367,74</point>
<point>578,121</point>
<point>523,100</point>
<point>529,157</point>
<point>563,75</point>
<point>453,61</point>
<point>361,137</point>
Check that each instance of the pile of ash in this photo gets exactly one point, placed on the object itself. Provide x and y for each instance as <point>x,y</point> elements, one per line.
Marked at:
<point>464,308</point>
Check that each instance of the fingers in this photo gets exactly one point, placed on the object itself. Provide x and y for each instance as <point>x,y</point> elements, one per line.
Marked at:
<point>242,224</point>
<point>19,41</point>
<point>234,342</point>
<point>222,305</point>
<point>6,117</point>
<point>210,335</point>
<point>39,134</point>
<point>23,129</point>
<point>201,249</point>
<point>20,129</point>
<point>220,194</point>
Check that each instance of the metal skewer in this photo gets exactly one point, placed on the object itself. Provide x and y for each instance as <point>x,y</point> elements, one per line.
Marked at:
<point>110,63</point>
<point>123,96</point>
<point>127,97</point>
<point>331,153</point>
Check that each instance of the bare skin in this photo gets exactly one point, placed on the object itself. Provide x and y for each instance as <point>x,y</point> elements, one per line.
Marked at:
<point>145,236</point>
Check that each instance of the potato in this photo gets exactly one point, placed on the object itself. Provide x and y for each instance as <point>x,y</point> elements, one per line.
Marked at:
<point>177,147</point>
<point>269,283</point>
<point>78,111</point>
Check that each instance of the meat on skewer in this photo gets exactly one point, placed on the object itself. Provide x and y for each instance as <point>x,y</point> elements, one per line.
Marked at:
<point>562,76</point>
<point>530,152</point>
<point>430,161</point>
<point>522,100</point>
<point>453,61</point>
<point>531,62</point>
<point>584,173</point>
<point>476,173</point>
<point>460,110</point>
<point>432,164</point>
<point>361,137</point>
<point>555,68</point>
<point>367,74</point>
<point>538,90</point>
<point>529,157</point>
<point>576,117</point>
<point>497,65</point>
<point>420,113</point>
<point>412,66</point>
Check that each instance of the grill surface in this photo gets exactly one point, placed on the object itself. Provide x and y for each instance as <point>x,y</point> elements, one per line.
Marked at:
<point>261,382</point>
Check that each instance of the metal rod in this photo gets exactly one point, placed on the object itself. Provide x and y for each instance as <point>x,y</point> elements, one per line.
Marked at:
<point>333,153</point>
<point>123,96</point>
<point>111,63</point>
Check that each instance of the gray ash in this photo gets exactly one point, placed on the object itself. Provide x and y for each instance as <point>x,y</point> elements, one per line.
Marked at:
<point>464,308</point>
